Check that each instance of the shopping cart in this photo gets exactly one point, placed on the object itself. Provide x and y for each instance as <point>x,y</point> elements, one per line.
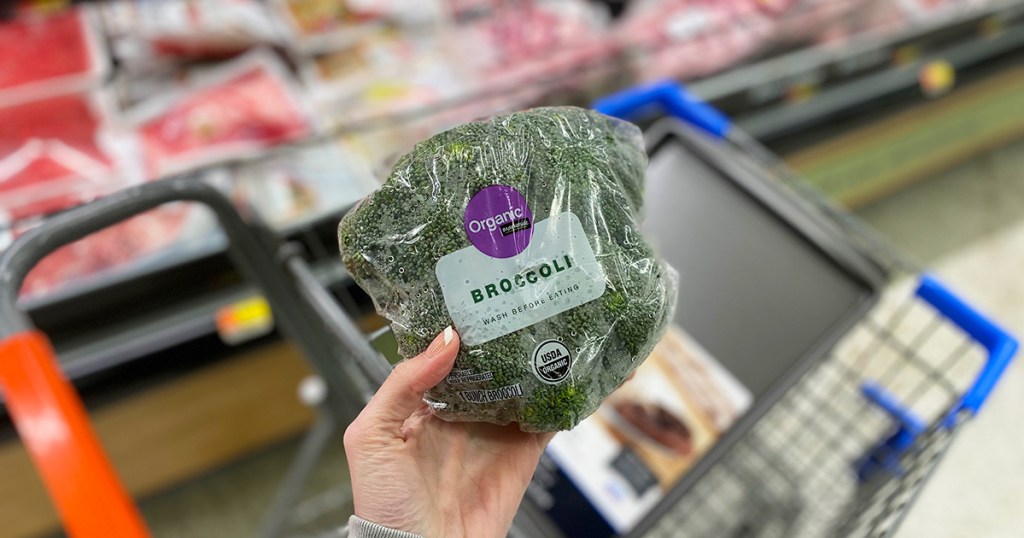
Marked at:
<point>848,447</point>
<point>843,451</point>
<point>50,417</point>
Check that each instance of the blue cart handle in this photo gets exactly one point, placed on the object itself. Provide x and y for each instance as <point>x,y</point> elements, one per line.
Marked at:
<point>1000,345</point>
<point>665,97</point>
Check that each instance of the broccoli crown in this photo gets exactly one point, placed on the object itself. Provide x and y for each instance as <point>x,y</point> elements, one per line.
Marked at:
<point>561,159</point>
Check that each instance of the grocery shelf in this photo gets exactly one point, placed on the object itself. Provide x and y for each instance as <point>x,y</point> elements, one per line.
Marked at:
<point>160,329</point>
<point>778,95</point>
<point>170,258</point>
<point>169,300</point>
<point>769,99</point>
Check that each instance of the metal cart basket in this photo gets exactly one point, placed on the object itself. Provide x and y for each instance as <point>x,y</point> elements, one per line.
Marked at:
<point>842,451</point>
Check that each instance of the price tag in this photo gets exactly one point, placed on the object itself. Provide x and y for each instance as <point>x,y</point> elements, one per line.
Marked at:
<point>937,78</point>
<point>244,321</point>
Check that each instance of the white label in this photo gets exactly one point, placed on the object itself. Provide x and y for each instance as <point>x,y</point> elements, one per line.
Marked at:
<point>490,297</point>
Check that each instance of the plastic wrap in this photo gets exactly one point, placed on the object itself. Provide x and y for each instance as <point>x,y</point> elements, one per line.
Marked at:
<point>50,55</point>
<point>522,232</point>
<point>533,44</point>
<point>314,26</point>
<point>143,33</point>
<point>386,73</point>
<point>305,183</point>
<point>235,111</point>
<point>118,248</point>
<point>56,153</point>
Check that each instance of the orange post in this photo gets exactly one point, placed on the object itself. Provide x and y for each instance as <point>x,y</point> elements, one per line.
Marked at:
<point>54,426</point>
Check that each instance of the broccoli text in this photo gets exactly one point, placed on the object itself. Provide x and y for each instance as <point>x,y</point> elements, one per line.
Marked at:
<point>507,285</point>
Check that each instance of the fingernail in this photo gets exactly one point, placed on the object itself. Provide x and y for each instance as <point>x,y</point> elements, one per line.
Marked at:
<point>440,342</point>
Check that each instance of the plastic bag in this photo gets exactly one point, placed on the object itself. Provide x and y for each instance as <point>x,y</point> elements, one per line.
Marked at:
<point>522,232</point>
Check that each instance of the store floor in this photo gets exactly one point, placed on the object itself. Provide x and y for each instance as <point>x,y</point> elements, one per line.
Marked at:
<point>967,224</point>
<point>232,502</point>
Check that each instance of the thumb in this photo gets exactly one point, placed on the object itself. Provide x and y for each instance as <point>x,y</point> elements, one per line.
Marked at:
<point>402,392</point>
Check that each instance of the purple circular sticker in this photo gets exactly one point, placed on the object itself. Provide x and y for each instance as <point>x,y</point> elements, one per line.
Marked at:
<point>498,221</point>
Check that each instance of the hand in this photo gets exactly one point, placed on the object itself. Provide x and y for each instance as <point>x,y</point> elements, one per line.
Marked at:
<point>414,472</point>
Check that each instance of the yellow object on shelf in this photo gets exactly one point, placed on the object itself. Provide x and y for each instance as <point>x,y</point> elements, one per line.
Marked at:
<point>937,78</point>
<point>244,320</point>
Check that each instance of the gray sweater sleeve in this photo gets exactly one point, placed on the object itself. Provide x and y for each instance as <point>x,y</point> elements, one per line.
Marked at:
<point>361,528</point>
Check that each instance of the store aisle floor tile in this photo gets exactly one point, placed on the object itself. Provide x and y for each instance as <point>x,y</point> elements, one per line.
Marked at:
<point>968,226</point>
<point>976,491</point>
<point>943,214</point>
<point>232,502</point>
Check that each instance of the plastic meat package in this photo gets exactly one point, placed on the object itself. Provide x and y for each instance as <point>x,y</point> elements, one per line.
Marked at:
<point>687,39</point>
<point>56,153</point>
<point>130,243</point>
<point>523,233</point>
<point>236,111</point>
<point>533,44</point>
<point>305,183</point>
<point>384,74</point>
<point>314,26</point>
<point>50,55</point>
<point>885,17</point>
<point>142,32</point>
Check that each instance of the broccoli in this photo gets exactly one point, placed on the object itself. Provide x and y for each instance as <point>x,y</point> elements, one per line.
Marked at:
<point>602,296</point>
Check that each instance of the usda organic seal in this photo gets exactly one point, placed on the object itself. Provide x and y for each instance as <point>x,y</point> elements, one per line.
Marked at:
<point>551,362</point>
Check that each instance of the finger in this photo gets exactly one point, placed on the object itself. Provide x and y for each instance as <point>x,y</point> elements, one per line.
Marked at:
<point>402,392</point>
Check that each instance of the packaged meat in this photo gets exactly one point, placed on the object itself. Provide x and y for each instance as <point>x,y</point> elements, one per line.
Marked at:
<point>510,56</point>
<point>56,153</point>
<point>314,26</point>
<point>885,17</point>
<point>383,57</point>
<point>232,112</point>
<point>142,32</point>
<point>813,18</point>
<point>402,12</point>
<point>50,55</point>
<point>531,43</point>
<point>463,9</point>
<point>386,74</point>
<point>687,39</point>
<point>304,183</point>
<point>131,243</point>
<point>425,11</point>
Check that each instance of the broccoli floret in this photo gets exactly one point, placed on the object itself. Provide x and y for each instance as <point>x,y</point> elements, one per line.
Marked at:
<point>560,159</point>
